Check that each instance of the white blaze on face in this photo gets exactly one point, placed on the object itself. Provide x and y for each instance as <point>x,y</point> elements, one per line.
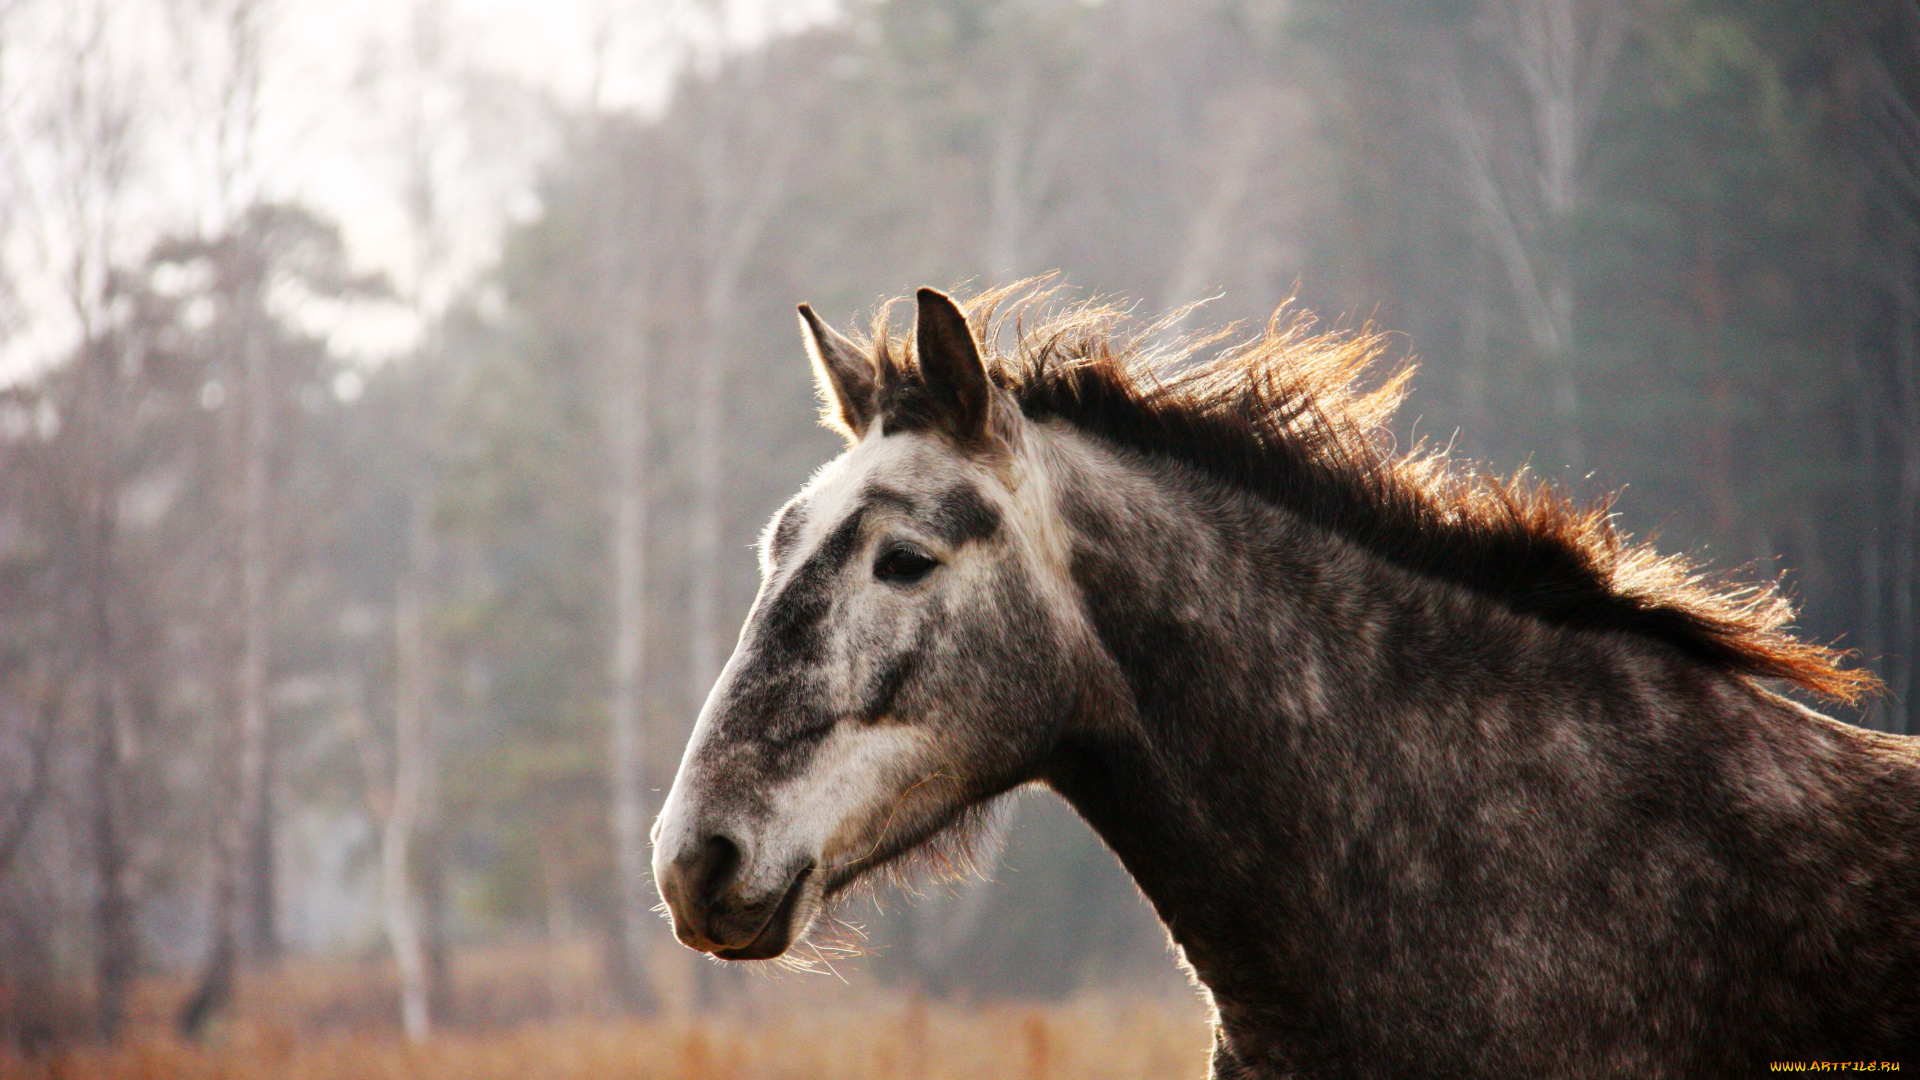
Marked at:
<point>833,811</point>
<point>841,806</point>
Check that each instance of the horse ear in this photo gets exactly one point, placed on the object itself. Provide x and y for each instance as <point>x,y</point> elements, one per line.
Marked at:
<point>950,365</point>
<point>843,376</point>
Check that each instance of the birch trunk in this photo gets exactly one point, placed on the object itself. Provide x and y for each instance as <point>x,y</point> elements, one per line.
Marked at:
<point>412,702</point>
<point>627,430</point>
<point>430,872</point>
<point>1563,64</point>
<point>736,216</point>
<point>1208,229</point>
<point>737,211</point>
<point>251,861</point>
<point>1006,181</point>
<point>242,894</point>
<point>704,535</point>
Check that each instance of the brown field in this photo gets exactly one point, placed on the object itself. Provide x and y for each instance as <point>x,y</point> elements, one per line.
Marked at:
<point>529,1017</point>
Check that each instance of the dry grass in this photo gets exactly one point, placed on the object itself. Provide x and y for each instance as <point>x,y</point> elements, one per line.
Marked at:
<point>1089,1039</point>
<point>535,1015</point>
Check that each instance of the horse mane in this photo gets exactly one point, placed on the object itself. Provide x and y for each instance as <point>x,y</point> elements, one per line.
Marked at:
<point>1290,416</point>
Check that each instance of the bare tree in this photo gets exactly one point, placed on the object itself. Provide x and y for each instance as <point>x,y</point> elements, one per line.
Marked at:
<point>1241,146</point>
<point>1558,58</point>
<point>89,131</point>
<point>1017,169</point>
<point>1889,109</point>
<point>628,434</point>
<point>251,853</point>
<point>746,142</point>
<point>410,802</point>
<point>224,84</point>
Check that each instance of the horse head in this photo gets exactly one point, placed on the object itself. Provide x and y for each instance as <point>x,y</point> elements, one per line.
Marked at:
<point>907,657</point>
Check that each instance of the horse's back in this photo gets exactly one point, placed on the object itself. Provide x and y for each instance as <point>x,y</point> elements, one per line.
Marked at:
<point>1817,920</point>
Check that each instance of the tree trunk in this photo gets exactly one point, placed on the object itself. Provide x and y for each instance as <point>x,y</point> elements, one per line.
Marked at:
<point>255,867</point>
<point>704,536</point>
<point>1563,69</point>
<point>1006,181</point>
<point>1545,298</point>
<point>242,904</point>
<point>214,993</point>
<point>627,444</point>
<point>1475,332</point>
<point>553,891</point>
<point>117,945</point>
<point>1907,503</point>
<point>1881,714</point>
<point>262,907</point>
<point>1211,224</point>
<point>1716,463</point>
<point>1863,375</point>
<point>412,702</point>
<point>113,911</point>
<point>436,952</point>
<point>1894,142</point>
<point>26,807</point>
<point>736,215</point>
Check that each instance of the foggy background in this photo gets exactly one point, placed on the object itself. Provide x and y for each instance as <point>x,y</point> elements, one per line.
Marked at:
<point>390,394</point>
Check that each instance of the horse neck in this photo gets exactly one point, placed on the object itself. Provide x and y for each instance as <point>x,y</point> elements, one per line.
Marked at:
<point>1251,667</point>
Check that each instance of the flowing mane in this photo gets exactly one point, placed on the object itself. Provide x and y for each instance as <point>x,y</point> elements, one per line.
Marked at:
<point>1289,417</point>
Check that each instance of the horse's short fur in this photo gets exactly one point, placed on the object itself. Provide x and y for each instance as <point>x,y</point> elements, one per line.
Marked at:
<point>1428,774</point>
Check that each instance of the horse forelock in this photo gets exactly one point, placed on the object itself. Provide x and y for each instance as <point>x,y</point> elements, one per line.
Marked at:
<point>1299,416</point>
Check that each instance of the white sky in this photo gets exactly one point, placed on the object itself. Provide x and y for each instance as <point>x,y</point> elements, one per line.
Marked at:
<point>341,101</point>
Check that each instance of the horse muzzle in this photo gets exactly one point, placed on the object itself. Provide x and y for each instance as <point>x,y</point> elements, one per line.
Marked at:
<point>716,910</point>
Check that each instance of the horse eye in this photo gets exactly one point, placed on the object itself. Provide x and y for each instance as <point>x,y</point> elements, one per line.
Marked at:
<point>903,563</point>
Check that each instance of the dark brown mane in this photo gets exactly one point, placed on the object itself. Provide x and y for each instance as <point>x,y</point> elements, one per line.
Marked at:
<point>1286,416</point>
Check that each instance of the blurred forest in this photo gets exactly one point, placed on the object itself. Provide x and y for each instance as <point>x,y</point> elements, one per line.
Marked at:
<point>309,654</point>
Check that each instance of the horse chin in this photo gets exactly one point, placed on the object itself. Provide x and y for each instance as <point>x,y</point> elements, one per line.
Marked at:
<point>788,922</point>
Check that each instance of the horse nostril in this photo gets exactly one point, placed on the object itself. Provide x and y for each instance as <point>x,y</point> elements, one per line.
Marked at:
<point>696,880</point>
<point>712,869</point>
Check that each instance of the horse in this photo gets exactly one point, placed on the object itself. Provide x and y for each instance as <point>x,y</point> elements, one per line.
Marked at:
<point>1427,772</point>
